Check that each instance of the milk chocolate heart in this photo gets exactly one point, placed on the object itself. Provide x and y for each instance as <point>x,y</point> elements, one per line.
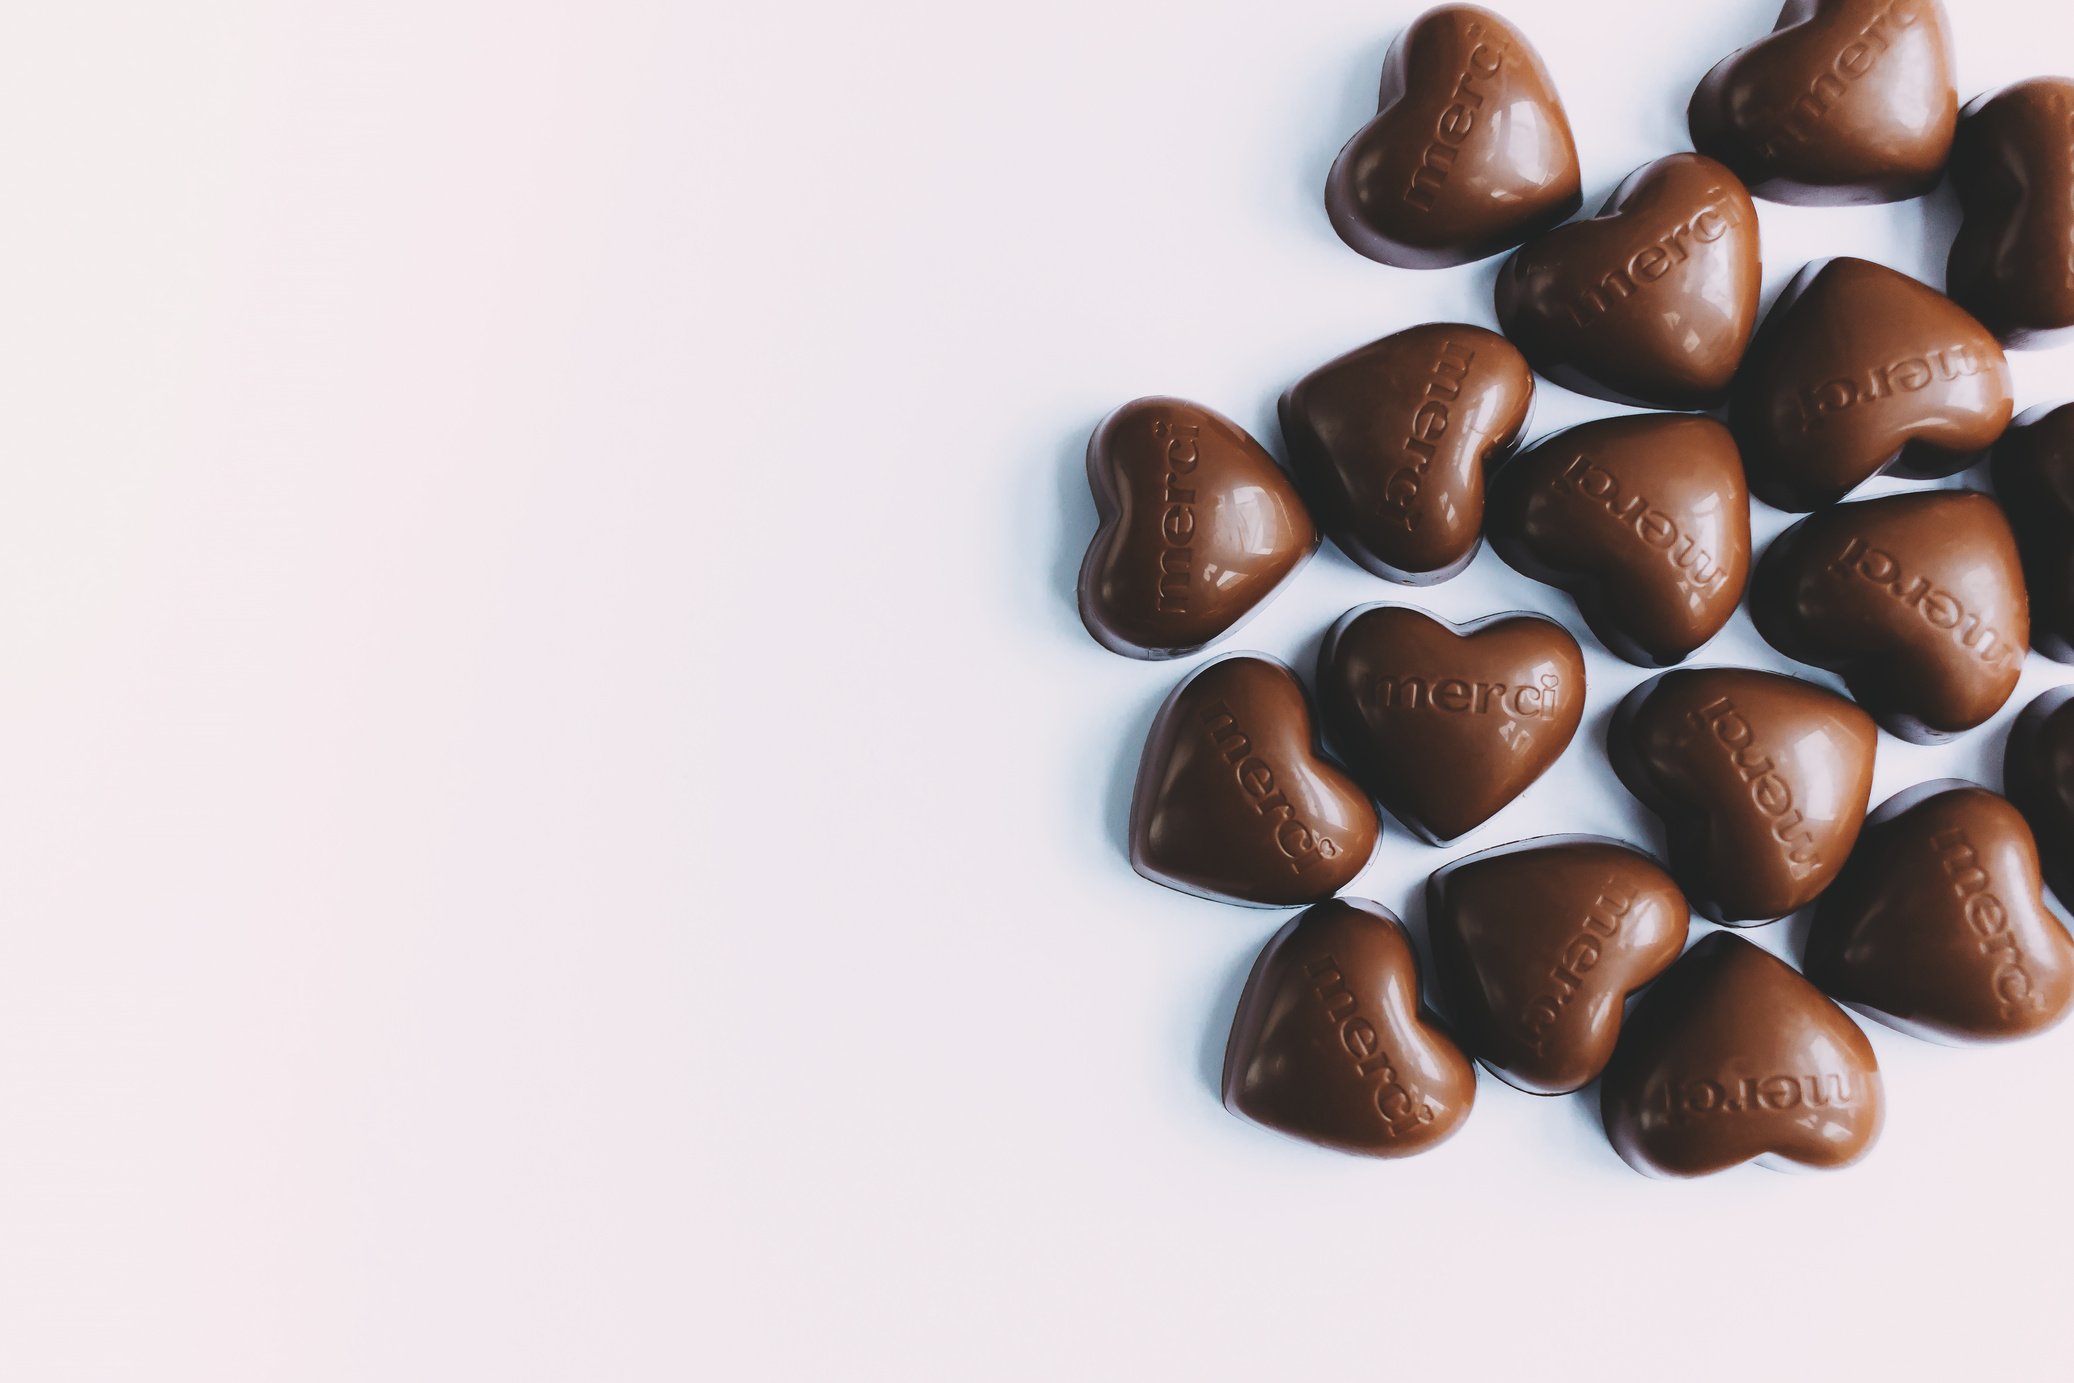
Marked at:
<point>1844,102</point>
<point>1939,926</point>
<point>1733,1057</point>
<point>1469,152</point>
<point>1856,369</point>
<point>1391,443</point>
<point>1331,1046</point>
<point>1538,945</point>
<point>1916,600</point>
<point>1643,520</point>
<point>1199,527</point>
<point>2033,468</point>
<point>2038,774</point>
<point>1232,800</point>
<point>1444,724</point>
<point>1762,782</point>
<point>2012,264</point>
<point>1653,300</point>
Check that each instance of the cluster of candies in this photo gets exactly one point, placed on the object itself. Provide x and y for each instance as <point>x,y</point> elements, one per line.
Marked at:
<point>1929,914</point>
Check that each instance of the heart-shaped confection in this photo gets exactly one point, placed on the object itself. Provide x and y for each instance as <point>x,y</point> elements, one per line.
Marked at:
<point>1469,152</point>
<point>2038,774</point>
<point>1761,780</point>
<point>1916,600</point>
<point>1643,520</point>
<point>1734,1057</point>
<point>1444,724</point>
<point>1199,527</point>
<point>1391,443</point>
<point>1856,369</point>
<point>1939,926</point>
<point>1330,1044</point>
<point>1844,102</point>
<point>1233,801</point>
<point>2033,467</point>
<point>1653,300</point>
<point>2012,264</point>
<point>1538,945</point>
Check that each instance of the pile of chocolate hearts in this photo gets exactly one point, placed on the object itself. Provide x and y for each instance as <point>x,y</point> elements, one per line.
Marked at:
<point>1929,914</point>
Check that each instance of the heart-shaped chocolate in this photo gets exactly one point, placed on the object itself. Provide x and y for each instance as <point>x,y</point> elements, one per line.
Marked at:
<point>2033,468</point>
<point>1469,152</point>
<point>1444,724</point>
<point>1939,926</point>
<point>1844,102</point>
<point>1199,527</point>
<point>1233,801</point>
<point>1643,520</point>
<point>1916,600</point>
<point>1653,300</point>
<point>1538,945</point>
<point>1856,369</point>
<point>1734,1057</point>
<point>1331,1046</point>
<point>2012,264</point>
<point>1391,443</point>
<point>1761,780</point>
<point>2038,775</point>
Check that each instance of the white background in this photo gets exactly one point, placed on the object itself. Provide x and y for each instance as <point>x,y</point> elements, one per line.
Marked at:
<point>557,820</point>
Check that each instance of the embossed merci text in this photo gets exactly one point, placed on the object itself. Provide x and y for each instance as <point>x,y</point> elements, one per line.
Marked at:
<point>1297,841</point>
<point>1358,1038</point>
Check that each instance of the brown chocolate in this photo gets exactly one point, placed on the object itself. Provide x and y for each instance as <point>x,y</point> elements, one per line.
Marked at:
<point>1857,369</point>
<point>2012,264</point>
<point>1538,945</point>
<point>1844,102</point>
<point>2038,775</point>
<point>1198,528</point>
<point>2033,469</point>
<point>1761,780</point>
<point>1643,520</point>
<point>1233,801</point>
<point>1330,1044</point>
<point>1392,441</point>
<point>1650,302</point>
<point>1469,152</point>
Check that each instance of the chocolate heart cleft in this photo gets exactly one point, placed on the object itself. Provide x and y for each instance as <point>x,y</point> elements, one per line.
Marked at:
<point>2012,264</point>
<point>2038,775</point>
<point>2033,470</point>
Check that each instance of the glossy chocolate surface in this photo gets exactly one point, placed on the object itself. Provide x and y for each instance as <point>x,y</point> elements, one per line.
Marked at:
<point>1537,945</point>
<point>1650,302</point>
<point>1198,527</point>
<point>2038,775</point>
<point>1845,101</point>
<point>1391,443</point>
<point>2033,468</point>
<point>1331,1046</point>
<point>1445,724</point>
<point>1643,520</point>
<point>1469,152</point>
<point>1233,801</point>
<point>2012,264</point>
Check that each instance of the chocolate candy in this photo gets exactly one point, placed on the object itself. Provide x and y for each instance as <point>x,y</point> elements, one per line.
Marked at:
<point>2038,774</point>
<point>1199,527</point>
<point>1643,520</point>
<point>1331,1046</point>
<point>2033,467</point>
<point>1537,946</point>
<point>2012,264</point>
<point>1391,442</point>
<point>1844,102</point>
<point>1469,152</point>
<point>1653,300</point>
<point>1233,801</point>
<point>1856,369</point>
<point>1762,782</point>
<point>1916,600</point>
<point>1734,1057</point>
<point>1939,926</point>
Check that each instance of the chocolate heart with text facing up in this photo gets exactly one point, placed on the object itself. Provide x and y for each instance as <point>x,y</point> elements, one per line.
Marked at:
<point>1445,724</point>
<point>1653,300</point>
<point>1845,102</point>
<point>2038,775</point>
<point>2012,264</point>
<point>1762,782</point>
<point>1643,520</point>
<point>2033,468</point>
<point>1233,801</point>
<point>1856,369</point>
<point>1391,443</point>
<point>1734,1057</point>
<point>1538,945</point>
<point>1331,1046</point>
<point>1469,152</point>
<point>1198,528</point>
<point>1939,926</point>
<point>1916,600</point>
